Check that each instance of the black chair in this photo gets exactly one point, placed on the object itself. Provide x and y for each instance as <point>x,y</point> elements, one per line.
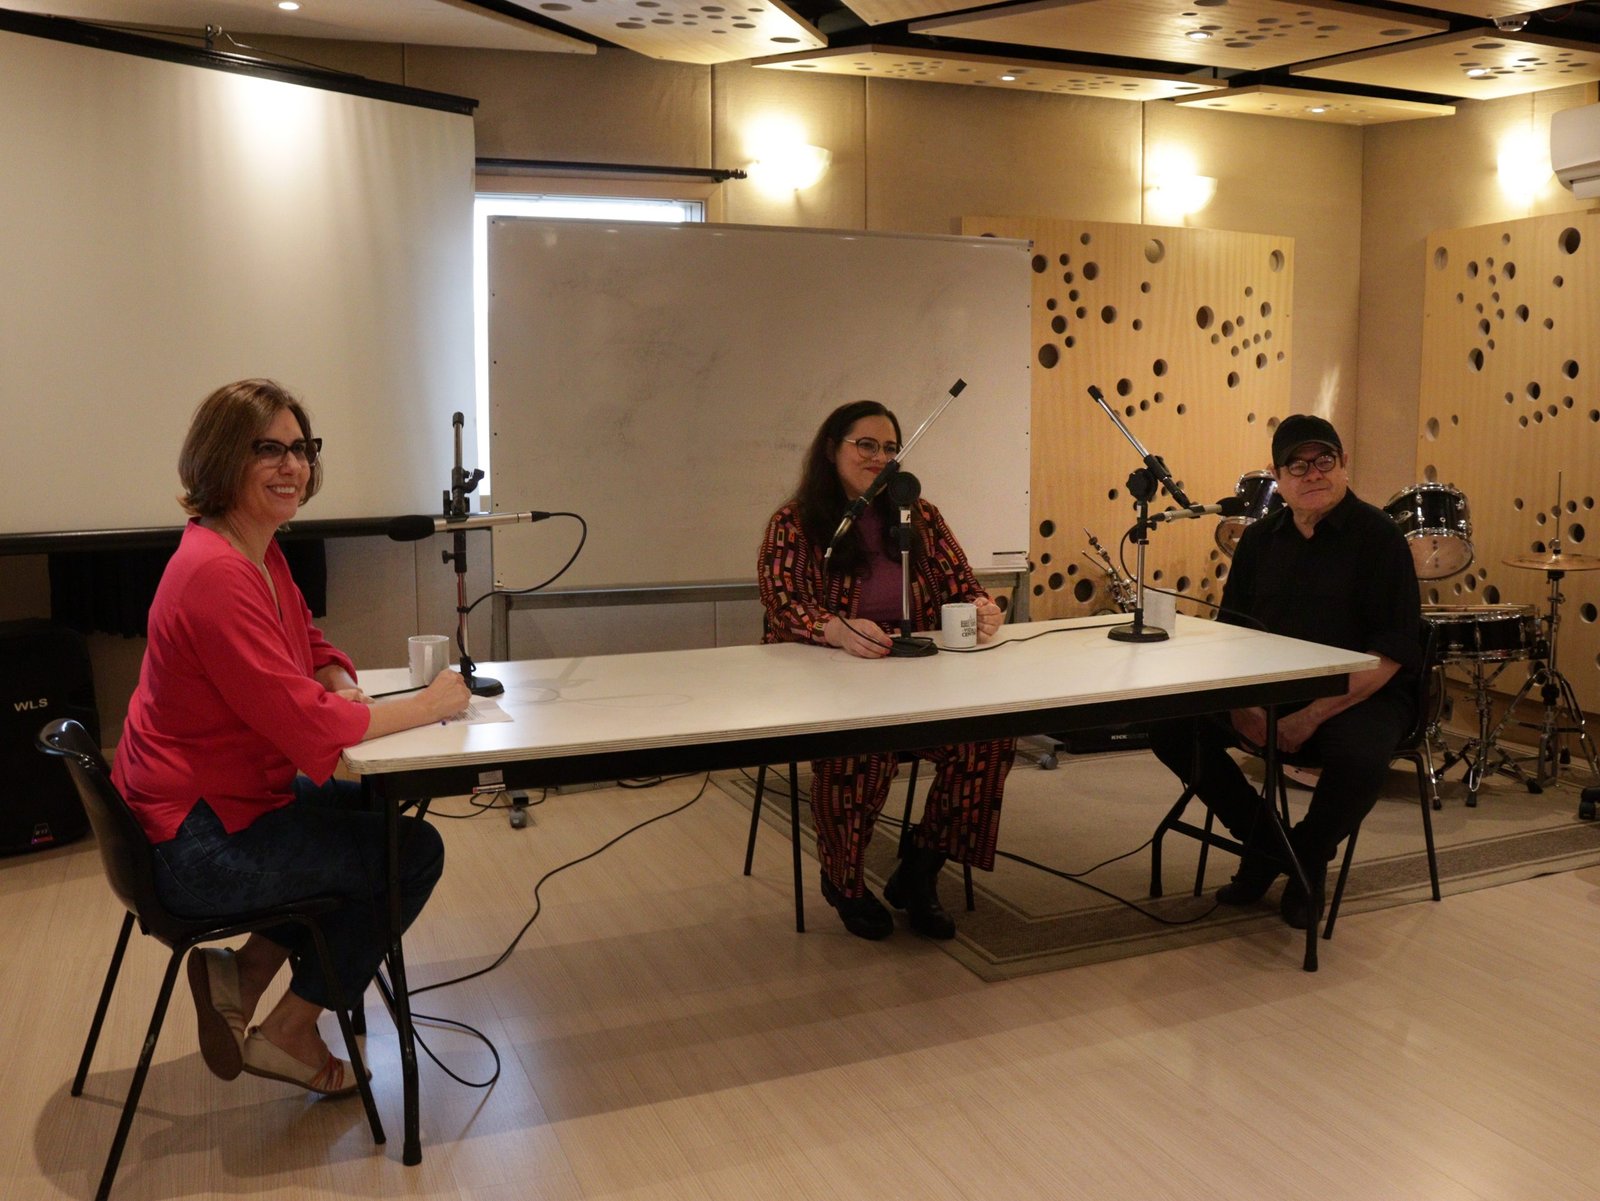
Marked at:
<point>129,867</point>
<point>794,834</point>
<point>1412,747</point>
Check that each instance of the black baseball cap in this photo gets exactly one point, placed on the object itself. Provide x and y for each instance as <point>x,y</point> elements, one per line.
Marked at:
<point>1295,431</point>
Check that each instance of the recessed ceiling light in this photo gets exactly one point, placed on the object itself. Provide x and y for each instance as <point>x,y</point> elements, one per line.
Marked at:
<point>288,6</point>
<point>1008,79</point>
<point>1317,108</point>
<point>1477,72</point>
<point>1197,35</point>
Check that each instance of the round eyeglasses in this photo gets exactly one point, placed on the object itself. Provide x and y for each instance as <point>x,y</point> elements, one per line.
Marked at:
<point>1324,463</point>
<point>869,447</point>
<point>270,452</point>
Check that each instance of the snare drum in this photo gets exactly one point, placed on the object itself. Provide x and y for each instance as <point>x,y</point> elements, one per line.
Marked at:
<point>1438,525</point>
<point>1483,633</point>
<point>1259,491</point>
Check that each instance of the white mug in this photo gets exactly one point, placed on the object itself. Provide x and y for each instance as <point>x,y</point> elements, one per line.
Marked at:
<point>430,654</point>
<point>1161,610</point>
<point>958,625</point>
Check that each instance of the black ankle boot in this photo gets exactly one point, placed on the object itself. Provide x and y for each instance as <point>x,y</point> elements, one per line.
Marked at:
<point>914,887</point>
<point>863,916</point>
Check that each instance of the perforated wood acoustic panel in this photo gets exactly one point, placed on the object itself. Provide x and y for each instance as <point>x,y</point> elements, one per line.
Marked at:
<point>1330,108</point>
<point>1478,64</point>
<point>1187,334</point>
<point>1510,359</point>
<point>1242,34</point>
<point>984,70</point>
<point>689,32</point>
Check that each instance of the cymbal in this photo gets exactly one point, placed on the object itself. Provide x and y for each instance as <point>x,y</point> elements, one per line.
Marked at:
<point>1554,562</point>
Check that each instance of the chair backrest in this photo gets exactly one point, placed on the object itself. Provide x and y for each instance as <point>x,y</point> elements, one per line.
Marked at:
<point>124,849</point>
<point>1425,698</point>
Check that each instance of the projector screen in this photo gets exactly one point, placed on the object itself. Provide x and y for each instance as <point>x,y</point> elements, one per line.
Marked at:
<point>170,227</point>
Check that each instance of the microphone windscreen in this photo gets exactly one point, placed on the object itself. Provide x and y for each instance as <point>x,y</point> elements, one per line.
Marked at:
<point>904,489</point>
<point>1234,506</point>
<point>410,529</point>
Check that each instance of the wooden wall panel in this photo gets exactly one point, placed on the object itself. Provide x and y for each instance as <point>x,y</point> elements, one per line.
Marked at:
<point>1509,404</point>
<point>1187,333</point>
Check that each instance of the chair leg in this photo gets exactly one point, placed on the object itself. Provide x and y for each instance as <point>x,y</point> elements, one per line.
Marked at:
<point>755,818</point>
<point>131,1105</point>
<point>341,1007</point>
<point>966,879</point>
<point>1338,888</point>
<point>1425,796</point>
<point>794,847</point>
<point>1172,816</point>
<point>905,818</point>
<point>105,1003</point>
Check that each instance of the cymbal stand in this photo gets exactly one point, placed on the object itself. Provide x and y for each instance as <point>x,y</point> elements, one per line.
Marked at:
<point>1562,714</point>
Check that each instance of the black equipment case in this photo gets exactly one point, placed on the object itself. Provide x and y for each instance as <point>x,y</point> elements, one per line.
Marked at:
<point>44,674</point>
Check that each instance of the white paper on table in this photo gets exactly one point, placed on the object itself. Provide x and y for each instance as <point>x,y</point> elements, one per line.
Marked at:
<point>479,711</point>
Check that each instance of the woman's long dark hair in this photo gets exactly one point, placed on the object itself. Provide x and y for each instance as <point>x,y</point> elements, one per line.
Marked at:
<point>820,499</point>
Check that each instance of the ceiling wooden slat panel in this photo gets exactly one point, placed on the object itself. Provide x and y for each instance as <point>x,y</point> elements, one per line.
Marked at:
<point>1330,108</point>
<point>1490,9</point>
<point>420,22</point>
<point>881,12</point>
<point>1239,34</point>
<point>1511,64</point>
<point>688,32</point>
<point>983,70</point>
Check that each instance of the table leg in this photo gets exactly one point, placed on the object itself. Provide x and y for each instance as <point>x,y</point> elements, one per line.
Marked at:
<point>1296,868</point>
<point>411,1143</point>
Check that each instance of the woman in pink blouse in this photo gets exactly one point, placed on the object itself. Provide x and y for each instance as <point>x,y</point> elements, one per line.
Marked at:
<point>849,602</point>
<point>232,736</point>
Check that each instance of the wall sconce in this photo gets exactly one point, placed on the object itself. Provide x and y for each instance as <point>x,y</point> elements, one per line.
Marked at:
<point>1182,195</point>
<point>1523,166</point>
<point>790,166</point>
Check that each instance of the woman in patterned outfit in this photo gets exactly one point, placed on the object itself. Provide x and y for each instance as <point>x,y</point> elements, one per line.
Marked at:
<point>807,600</point>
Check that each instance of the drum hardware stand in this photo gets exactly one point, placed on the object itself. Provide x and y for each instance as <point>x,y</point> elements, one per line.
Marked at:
<point>1476,752</point>
<point>1562,713</point>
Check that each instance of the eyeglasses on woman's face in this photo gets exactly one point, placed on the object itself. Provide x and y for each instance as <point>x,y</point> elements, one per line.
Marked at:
<point>269,452</point>
<point>869,448</point>
<point>1324,463</point>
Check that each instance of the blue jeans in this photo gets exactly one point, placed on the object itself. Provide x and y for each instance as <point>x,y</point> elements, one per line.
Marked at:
<point>322,844</point>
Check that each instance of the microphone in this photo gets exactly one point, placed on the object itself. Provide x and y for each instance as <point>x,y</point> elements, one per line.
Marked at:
<point>859,505</point>
<point>1229,506</point>
<point>904,489</point>
<point>410,529</point>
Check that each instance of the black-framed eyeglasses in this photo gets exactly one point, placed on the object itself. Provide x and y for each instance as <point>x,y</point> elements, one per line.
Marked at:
<point>869,447</point>
<point>271,452</point>
<point>1324,463</point>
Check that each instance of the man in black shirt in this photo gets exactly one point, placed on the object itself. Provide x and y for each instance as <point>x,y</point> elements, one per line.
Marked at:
<point>1328,568</point>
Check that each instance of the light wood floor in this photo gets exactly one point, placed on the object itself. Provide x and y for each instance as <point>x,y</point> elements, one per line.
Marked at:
<point>666,1034</point>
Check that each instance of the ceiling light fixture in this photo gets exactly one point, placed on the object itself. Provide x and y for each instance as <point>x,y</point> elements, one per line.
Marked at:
<point>288,6</point>
<point>1198,35</point>
<point>1008,79</point>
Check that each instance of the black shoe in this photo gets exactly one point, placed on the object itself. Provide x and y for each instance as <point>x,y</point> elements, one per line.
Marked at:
<point>914,887</point>
<point>863,916</point>
<point>1296,909</point>
<point>1256,873</point>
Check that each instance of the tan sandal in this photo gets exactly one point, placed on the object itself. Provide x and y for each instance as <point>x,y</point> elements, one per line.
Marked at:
<point>263,1057</point>
<point>214,982</point>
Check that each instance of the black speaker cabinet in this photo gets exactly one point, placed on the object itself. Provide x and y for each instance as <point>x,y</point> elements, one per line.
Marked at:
<point>44,674</point>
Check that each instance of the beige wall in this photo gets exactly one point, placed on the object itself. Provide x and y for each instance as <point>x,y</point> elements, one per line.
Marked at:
<point>916,157</point>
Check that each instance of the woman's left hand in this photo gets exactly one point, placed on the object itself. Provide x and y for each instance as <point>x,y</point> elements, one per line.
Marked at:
<point>989,618</point>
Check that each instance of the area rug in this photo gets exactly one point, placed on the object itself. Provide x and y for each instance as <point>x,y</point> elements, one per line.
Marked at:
<point>1092,817</point>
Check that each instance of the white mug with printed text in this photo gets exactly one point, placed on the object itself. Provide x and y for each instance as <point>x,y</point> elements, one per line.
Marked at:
<point>958,625</point>
<point>430,654</point>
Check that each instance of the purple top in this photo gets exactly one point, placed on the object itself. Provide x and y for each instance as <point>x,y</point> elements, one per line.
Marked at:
<point>879,599</point>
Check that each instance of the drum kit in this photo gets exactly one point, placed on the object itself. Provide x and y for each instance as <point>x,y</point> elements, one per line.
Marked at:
<point>1482,640</point>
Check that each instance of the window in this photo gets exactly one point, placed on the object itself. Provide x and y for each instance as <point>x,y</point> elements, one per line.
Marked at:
<point>499,204</point>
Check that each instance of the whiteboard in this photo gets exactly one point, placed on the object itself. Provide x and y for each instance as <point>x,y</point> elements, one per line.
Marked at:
<point>664,381</point>
<point>169,228</point>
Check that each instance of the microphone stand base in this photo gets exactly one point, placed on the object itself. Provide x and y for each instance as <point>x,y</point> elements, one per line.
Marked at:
<point>1136,633</point>
<point>906,647</point>
<point>484,686</point>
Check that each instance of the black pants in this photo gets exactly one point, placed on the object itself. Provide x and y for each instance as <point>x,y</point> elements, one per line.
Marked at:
<point>1353,748</point>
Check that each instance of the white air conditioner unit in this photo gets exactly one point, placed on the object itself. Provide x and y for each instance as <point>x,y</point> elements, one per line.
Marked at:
<point>1575,149</point>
